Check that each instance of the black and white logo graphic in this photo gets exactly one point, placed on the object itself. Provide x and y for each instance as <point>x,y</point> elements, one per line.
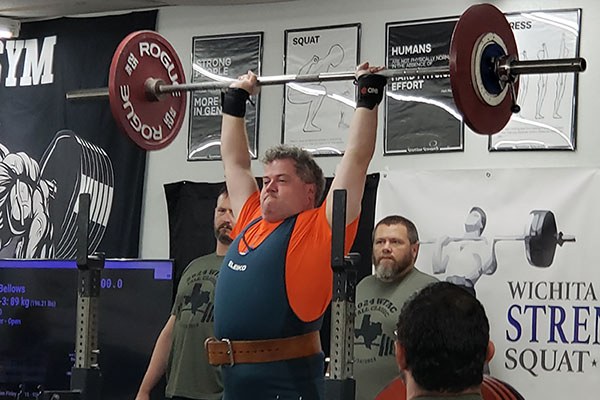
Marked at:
<point>39,202</point>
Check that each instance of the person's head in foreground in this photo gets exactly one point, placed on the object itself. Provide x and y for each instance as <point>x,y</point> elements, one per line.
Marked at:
<point>442,342</point>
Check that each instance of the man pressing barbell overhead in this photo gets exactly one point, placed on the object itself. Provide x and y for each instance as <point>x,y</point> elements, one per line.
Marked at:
<point>276,280</point>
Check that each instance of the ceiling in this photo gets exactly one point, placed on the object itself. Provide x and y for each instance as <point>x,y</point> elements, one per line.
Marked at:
<point>41,9</point>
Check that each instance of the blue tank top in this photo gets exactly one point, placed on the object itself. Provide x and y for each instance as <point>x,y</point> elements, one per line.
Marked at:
<point>250,304</point>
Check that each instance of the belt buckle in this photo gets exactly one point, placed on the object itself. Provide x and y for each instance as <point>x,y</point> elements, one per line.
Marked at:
<point>229,351</point>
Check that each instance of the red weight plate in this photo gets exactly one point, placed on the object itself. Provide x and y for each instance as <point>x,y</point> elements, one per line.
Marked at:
<point>476,21</point>
<point>151,124</point>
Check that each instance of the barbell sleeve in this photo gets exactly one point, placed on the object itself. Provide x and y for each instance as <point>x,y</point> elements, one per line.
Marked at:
<point>564,238</point>
<point>88,94</point>
<point>559,65</point>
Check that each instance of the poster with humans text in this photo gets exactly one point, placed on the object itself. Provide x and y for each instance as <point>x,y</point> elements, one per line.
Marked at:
<point>420,115</point>
<point>548,102</point>
<point>221,58</point>
<point>531,255</point>
<point>317,114</point>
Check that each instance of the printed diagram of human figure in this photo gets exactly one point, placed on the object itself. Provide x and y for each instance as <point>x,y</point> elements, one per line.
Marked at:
<point>469,257</point>
<point>523,83</point>
<point>313,94</point>
<point>542,84</point>
<point>343,122</point>
<point>560,79</point>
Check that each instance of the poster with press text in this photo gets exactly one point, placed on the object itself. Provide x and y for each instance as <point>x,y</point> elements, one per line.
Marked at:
<point>221,58</point>
<point>547,116</point>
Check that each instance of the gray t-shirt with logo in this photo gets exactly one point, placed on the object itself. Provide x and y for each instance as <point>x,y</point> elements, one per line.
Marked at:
<point>188,372</point>
<point>378,305</point>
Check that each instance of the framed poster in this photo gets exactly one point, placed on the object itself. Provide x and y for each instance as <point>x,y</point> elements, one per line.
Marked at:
<point>221,58</point>
<point>317,115</point>
<point>420,115</point>
<point>547,119</point>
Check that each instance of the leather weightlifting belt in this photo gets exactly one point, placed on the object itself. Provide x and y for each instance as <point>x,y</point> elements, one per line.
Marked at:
<point>225,351</point>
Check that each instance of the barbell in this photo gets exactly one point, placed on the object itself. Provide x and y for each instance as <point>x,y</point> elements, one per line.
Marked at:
<point>146,78</point>
<point>541,238</point>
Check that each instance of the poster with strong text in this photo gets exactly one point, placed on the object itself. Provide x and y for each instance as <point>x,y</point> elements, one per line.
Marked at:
<point>221,58</point>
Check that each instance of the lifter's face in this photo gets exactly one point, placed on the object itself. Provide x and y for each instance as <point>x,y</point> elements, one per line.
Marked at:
<point>393,254</point>
<point>283,193</point>
<point>224,219</point>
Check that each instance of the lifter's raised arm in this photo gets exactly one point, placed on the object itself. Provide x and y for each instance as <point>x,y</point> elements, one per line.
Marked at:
<point>352,169</point>
<point>234,142</point>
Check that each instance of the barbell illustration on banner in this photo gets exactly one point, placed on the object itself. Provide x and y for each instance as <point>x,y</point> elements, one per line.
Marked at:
<point>146,78</point>
<point>540,239</point>
<point>77,166</point>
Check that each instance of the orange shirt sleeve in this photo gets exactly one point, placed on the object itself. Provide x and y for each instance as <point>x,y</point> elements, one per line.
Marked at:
<point>250,211</point>
<point>308,276</point>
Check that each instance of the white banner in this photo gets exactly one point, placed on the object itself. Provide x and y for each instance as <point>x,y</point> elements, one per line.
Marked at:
<point>543,307</point>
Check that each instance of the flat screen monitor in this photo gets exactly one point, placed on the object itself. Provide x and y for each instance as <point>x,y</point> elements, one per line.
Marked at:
<point>38,301</point>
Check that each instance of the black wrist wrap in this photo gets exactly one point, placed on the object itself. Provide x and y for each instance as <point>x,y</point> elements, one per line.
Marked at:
<point>233,102</point>
<point>371,88</point>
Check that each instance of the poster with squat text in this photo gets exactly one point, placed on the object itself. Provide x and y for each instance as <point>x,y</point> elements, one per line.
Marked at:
<point>317,114</point>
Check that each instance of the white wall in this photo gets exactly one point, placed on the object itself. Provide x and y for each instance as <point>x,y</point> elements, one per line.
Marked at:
<point>180,24</point>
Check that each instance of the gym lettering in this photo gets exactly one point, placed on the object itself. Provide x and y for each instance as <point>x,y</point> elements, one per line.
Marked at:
<point>217,66</point>
<point>418,61</point>
<point>422,48</point>
<point>517,25</point>
<point>36,65</point>
<point>154,50</point>
<point>303,40</point>
<point>146,131</point>
<point>545,314</point>
<point>204,106</point>
<point>411,84</point>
